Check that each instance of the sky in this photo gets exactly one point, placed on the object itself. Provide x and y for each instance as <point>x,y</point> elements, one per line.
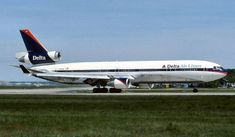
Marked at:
<point>116,30</point>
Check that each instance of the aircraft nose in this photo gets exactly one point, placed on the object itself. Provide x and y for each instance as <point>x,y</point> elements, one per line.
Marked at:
<point>226,72</point>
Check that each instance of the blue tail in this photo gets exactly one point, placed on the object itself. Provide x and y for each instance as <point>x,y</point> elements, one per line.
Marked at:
<point>37,53</point>
<point>31,42</point>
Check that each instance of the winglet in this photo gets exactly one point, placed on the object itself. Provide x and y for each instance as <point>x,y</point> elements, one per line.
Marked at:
<point>25,70</point>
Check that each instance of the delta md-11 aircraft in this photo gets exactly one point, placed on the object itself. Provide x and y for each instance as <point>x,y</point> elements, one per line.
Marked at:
<point>118,75</point>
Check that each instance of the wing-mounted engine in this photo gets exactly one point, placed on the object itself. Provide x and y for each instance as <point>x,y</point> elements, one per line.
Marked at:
<point>38,57</point>
<point>120,83</point>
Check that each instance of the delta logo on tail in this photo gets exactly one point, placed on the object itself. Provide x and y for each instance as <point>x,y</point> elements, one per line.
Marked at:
<point>36,51</point>
<point>39,57</point>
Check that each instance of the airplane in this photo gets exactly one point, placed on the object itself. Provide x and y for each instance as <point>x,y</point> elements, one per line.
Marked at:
<point>117,75</point>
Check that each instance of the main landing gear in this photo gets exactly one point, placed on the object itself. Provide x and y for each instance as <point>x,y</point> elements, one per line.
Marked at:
<point>100,90</point>
<point>105,90</point>
<point>114,90</point>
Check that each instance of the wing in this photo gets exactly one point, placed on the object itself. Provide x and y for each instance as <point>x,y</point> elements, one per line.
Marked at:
<point>73,78</point>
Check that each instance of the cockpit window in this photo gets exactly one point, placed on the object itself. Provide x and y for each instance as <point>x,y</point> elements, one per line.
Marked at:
<point>218,68</point>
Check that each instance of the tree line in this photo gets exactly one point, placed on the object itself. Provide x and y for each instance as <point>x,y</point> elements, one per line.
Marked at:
<point>226,81</point>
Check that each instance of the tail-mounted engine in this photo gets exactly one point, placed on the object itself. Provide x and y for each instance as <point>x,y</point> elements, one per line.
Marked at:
<point>36,51</point>
<point>39,57</point>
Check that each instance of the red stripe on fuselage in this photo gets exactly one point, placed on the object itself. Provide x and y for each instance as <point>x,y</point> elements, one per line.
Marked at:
<point>225,73</point>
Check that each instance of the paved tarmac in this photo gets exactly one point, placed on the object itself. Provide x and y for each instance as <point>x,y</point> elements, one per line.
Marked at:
<point>87,92</point>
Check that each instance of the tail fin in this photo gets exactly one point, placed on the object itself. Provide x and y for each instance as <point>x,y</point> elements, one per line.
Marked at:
<point>37,53</point>
<point>31,42</point>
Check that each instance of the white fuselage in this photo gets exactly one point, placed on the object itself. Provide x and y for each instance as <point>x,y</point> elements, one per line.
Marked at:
<point>141,71</point>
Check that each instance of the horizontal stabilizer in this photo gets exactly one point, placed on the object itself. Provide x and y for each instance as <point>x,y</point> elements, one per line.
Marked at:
<point>16,66</point>
<point>25,70</point>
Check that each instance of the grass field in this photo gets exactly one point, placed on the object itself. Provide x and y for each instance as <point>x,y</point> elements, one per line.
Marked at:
<point>180,90</point>
<point>117,116</point>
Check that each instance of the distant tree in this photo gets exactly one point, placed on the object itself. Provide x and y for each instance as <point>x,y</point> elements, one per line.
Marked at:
<point>212,84</point>
<point>230,78</point>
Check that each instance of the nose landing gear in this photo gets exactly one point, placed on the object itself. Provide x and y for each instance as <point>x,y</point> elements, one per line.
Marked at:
<point>195,90</point>
<point>195,85</point>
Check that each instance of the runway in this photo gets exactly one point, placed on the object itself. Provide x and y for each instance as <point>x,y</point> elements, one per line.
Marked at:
<point>87,92</point>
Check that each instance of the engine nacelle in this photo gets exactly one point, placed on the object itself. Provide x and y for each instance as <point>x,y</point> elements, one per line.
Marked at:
<point>55,55</point>
<point>120,83</point>
<point>39,58</point>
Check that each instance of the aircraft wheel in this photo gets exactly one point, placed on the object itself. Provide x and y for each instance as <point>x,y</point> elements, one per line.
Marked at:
<point>100,90</point>
<point>105,90</point>
<point>95,90</point>
<point>114,90</point>
<point>195,90</point>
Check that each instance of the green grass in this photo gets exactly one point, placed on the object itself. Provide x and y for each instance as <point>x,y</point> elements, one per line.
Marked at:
<point>180,90</point>
<point>117,116</point>
<point>35,87</point>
